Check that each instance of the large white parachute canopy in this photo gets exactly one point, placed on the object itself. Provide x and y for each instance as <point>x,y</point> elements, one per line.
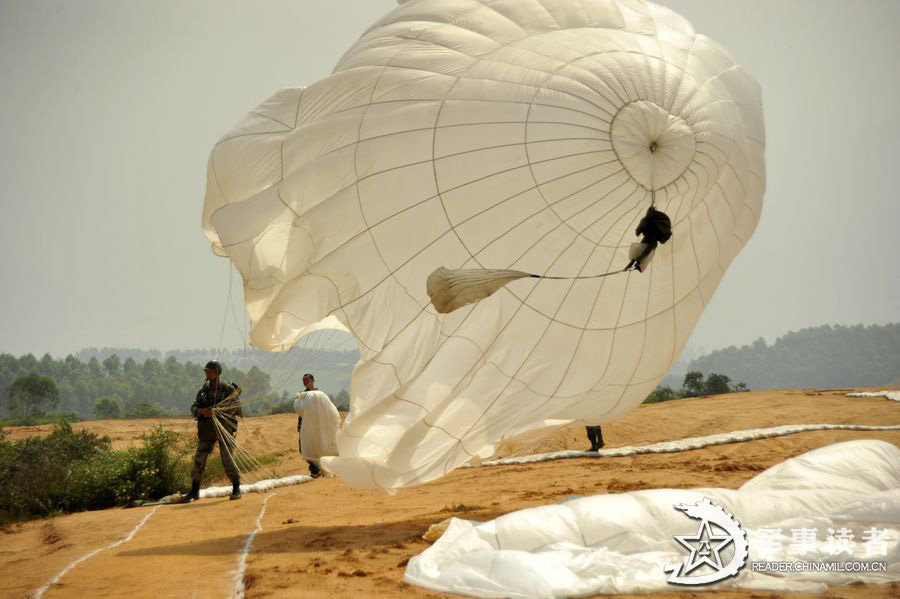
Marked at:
<point>526,135</point>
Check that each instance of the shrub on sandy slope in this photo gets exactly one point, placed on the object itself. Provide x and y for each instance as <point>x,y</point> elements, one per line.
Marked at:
<point>71,471</point>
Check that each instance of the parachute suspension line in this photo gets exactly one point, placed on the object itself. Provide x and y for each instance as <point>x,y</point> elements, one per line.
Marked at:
<point>605,274</point>
<point>578,278</point>
<point>233,309</point>
<point>243,460</point>
<point>225,314</point>
<point>453,289</point>
<point>308,355</point>
<point>284,367</point>
<point>247,464</point>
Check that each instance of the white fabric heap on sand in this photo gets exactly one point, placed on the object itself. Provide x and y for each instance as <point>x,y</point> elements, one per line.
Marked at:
<point>892,395</point>
<point>619,543</point>
<point>321,422</point>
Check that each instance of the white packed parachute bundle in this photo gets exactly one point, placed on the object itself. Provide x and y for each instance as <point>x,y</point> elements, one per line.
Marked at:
<point>484,137</point>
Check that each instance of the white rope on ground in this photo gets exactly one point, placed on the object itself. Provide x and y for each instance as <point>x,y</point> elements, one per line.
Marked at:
<point>40,592</point>
<point>239,589</point>
<point>689,444</point>
<point>892,395</point>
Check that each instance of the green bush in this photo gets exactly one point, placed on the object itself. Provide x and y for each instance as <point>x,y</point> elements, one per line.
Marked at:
<point>282,406</point>
<point>107,408</point>
<point>715,384</point>
<point>35,471</point>
<point>144,409</point>
<point>70,471</point>
<point>660,394</point>
<point>155,469</point>
<point>695,386</point>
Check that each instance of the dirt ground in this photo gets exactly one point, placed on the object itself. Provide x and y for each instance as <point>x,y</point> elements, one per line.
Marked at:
<point>326,539</point>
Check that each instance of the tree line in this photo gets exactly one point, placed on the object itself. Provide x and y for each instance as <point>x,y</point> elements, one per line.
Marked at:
<point>147,383</point>
<point>696,385</point>
<point>322,356</point>
<point>115,389</point>
<point>29,388</point>
<point>814,358</point>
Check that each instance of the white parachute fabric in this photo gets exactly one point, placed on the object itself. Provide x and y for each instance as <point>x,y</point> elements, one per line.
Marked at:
<point>621,543</point>
<point>503,135</point>
<point>321,422</point>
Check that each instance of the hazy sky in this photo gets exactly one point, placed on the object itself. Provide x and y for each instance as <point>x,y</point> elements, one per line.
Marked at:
<point>109,109</point>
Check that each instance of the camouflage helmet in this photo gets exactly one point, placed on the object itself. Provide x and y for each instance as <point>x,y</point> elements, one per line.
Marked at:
<point>213,365</point>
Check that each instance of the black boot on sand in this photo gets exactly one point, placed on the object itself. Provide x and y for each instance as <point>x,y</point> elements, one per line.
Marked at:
<point>193,494</point>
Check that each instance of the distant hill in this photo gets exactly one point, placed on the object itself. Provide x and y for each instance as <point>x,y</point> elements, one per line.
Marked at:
<point>813,358</point>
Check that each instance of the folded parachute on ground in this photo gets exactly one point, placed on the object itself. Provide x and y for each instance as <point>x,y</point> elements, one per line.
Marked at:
<point>847,496</point>
<point>491,137</point>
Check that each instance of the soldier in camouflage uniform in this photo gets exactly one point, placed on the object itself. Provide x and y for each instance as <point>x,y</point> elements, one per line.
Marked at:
<point>224,395</point>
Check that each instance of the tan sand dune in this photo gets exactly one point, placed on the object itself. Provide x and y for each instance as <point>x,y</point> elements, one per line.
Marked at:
<point>326,539</point>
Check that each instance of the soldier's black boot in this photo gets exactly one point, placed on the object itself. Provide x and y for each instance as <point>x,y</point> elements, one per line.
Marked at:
<point>235,491</point>
<point>595,436</point>
<point>193,494</point>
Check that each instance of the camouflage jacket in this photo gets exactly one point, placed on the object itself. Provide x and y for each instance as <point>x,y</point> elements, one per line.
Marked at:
<point>207,397</point>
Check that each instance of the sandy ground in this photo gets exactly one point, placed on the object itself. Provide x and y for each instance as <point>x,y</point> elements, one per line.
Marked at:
<point>326,539</point>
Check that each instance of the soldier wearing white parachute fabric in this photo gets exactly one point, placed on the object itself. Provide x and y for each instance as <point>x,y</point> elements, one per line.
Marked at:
<point>319,424</point>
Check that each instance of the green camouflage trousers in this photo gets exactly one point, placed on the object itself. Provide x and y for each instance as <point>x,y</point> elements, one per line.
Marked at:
<point>204,448</point>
